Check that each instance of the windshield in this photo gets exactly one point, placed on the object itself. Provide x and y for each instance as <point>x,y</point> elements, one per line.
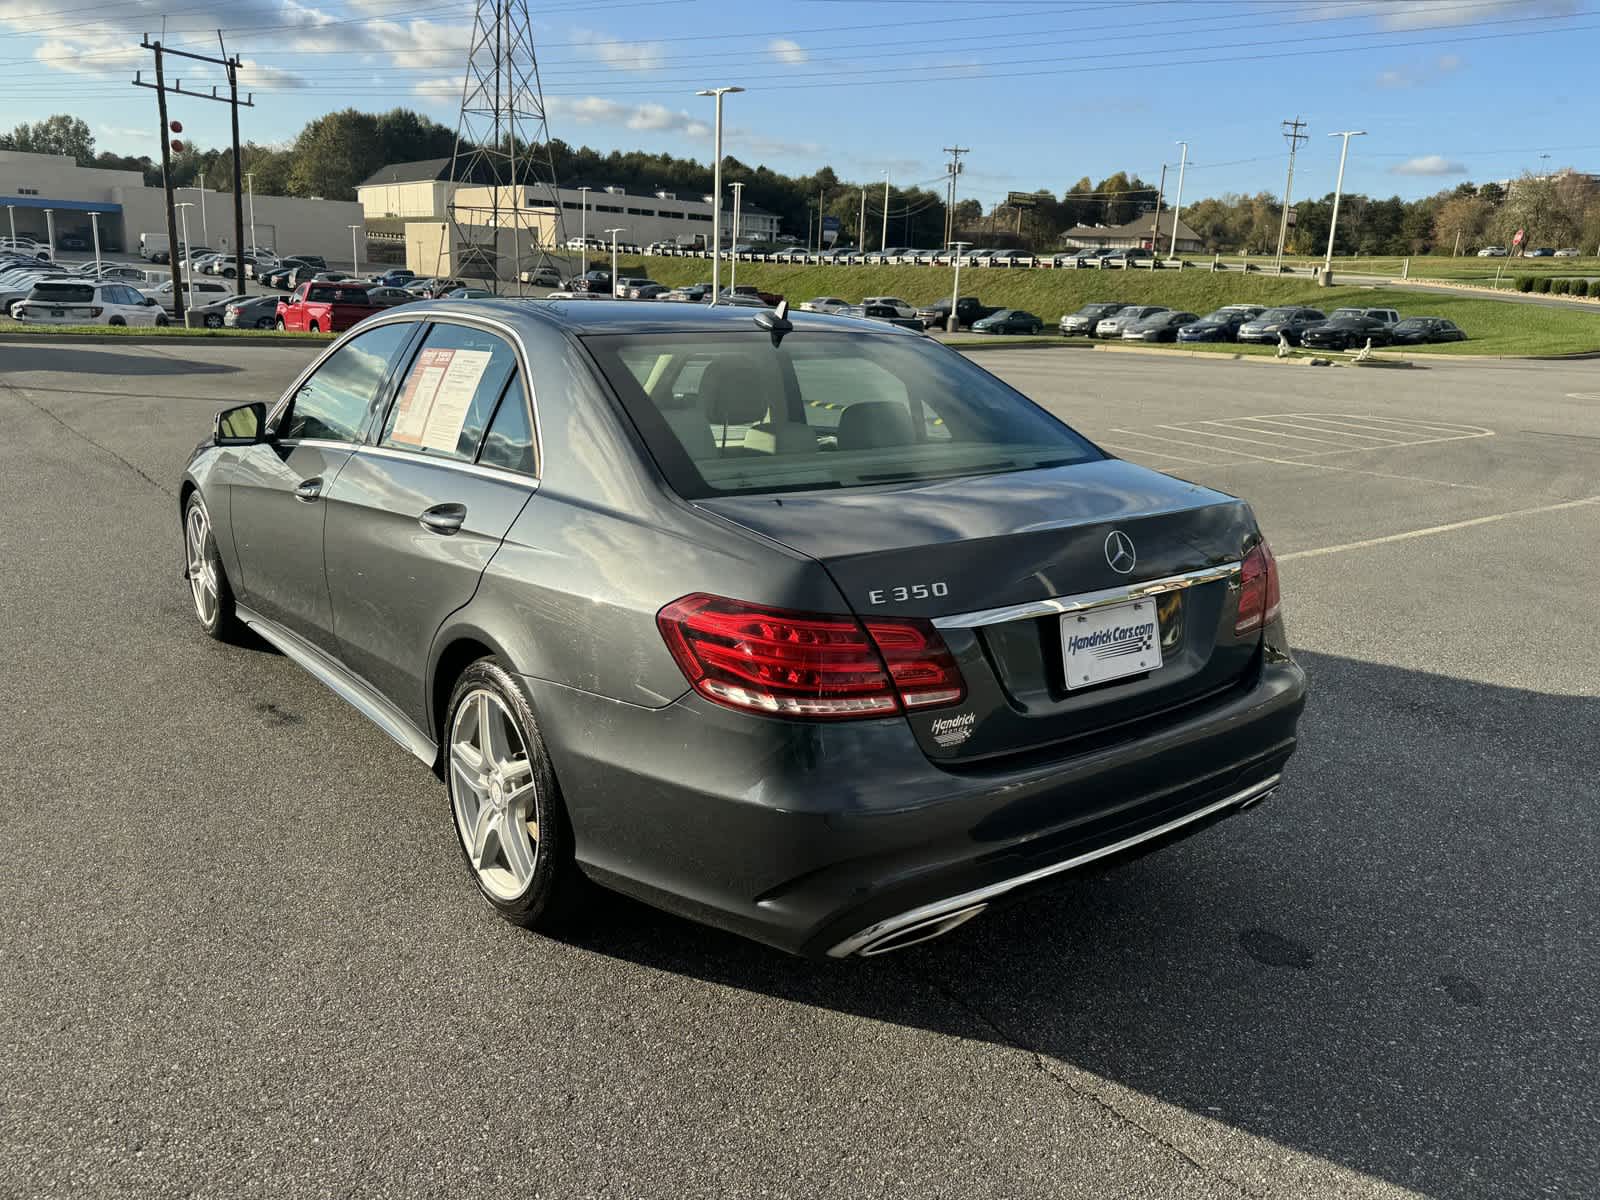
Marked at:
<point>1277,314</point>
<point>730,413</point>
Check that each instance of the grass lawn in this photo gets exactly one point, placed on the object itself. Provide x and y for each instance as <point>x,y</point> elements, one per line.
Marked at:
<point>1464,268</point>
<point>1493,326</point>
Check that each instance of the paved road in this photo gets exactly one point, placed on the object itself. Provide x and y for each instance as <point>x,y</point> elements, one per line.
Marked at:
<point>242,958</point>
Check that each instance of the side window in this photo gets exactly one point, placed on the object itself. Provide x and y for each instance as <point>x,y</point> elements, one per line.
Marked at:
<point>449,393</point>
<point>333,403</point>
<point>509,442</point>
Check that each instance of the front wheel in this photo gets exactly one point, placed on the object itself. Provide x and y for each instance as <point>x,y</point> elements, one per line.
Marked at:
<point>314,328</point>
<point>161,321</point>
<point>509,818</point>
<point>213,321</point>
<point>208,581</point>
<point>116,321</point>
<point>278,325</point>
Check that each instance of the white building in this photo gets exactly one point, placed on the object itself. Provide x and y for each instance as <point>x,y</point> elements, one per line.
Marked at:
<point>44,190</point>
<point>422,191</point>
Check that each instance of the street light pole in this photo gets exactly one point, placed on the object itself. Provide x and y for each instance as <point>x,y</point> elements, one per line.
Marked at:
<point>1338,188</point>
<point>183,214</point>
<point>205,229</point>
<point>953,322</point>
<point>613,233</point>
<point>583,222</point>
<point>716,190</point>
<point>1177,207</point>
<point>355,254</point>
<point>250,181</point>
<point>861,223</point>
<point>733,262</point>
<point>11,211</point>
<point>94,221</point>
<point>883,238</point>
<point>50,231</point>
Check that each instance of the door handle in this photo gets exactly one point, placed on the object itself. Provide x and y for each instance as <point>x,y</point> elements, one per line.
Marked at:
<point>444,518</point>
<point>308,489</point>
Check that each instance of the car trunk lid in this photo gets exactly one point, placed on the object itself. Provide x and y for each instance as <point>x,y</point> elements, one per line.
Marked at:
<point>1012,567</point>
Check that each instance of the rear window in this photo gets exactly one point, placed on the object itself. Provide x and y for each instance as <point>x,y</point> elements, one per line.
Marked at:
<point>63,293</point>
<point>725,414</point>
<point>339,295</point>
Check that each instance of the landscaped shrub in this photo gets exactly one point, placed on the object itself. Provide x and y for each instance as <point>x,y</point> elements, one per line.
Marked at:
<point>1580,287</point>
<point>1524,283</point>
<point>1542,285</point>
<point>1561,286</point>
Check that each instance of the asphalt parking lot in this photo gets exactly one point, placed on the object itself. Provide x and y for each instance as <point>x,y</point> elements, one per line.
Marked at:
<point>242,958</point>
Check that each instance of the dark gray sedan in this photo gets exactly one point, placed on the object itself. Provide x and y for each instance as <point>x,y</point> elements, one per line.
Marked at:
<point>806,627</point>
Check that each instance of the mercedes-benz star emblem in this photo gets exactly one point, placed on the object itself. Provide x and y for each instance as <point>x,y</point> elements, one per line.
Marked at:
<point>1119,552</point>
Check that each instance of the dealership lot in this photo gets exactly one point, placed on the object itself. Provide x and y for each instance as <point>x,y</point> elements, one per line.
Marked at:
<point>243,958</point>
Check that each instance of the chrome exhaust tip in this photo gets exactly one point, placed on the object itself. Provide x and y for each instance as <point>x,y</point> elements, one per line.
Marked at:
<point>922,931</point>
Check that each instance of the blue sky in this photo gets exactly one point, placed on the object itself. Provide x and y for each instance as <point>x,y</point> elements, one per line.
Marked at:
<point>1042,91</point>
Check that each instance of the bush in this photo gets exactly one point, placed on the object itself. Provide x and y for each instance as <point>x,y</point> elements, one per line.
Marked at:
<point>1560,287</point>
<point>1524,283</point>
<point>1580,287</point>
<point>1542,285</point>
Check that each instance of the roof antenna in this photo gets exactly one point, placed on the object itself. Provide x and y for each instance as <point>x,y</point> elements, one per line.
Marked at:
<point>775,321</point>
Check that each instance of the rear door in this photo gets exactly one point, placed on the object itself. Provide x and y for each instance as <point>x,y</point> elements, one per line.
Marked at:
<point>279,489</point>
<point>421,508</point>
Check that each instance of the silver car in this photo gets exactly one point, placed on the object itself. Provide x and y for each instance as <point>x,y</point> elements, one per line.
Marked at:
<point>1118,322</point>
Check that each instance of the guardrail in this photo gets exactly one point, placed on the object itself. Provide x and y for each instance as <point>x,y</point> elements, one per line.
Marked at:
<point>1059,262</point>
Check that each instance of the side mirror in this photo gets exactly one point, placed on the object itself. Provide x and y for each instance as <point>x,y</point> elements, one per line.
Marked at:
<point>149,301</point>
<point>244,425</point>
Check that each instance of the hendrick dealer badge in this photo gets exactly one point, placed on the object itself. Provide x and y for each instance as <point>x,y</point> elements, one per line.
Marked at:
<point>1108,643</point>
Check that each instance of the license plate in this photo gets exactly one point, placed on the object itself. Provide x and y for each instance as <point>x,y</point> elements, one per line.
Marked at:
<point>56,312</point>
<point>1108,643</point>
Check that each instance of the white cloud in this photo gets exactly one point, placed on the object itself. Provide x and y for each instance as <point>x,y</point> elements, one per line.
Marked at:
<point>1429,14</point>
<point>1429,164</point>
<point>652,118</point>
<point>785,50</point>
<point>1417,74</point>
<point>620,55</point>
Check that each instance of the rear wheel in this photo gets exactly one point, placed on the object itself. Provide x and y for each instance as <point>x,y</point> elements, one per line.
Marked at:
<point>510,821</point>
<point>116,321</point>
<point>263,322</point>
<point>161,320</point>
<point>213,321</point>
<point>314,328</point>
<point>278,324</point>
<point>208,581</point>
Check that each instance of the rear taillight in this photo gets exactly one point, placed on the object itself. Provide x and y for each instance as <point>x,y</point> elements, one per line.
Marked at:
<point>1259,596</point>
<point>95,310</point>
<point>819,665</point>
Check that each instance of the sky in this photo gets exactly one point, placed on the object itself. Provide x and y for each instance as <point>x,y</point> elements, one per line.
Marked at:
<point>1041,91</point>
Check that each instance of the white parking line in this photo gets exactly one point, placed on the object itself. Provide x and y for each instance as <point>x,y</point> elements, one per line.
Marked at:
<point>1432,530</point>
<point>1226,436</point>
<point>1345,433</point>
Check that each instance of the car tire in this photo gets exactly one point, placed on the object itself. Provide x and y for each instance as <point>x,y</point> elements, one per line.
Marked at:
<point>116,321</point>
<point>213,321</point>
<point>263,322</point>
<point>278,325</point>
<point>209,589</point>
<point>503,792</point>
<point>161,321</point>
<point>227,273</point>
<point>313,327</point>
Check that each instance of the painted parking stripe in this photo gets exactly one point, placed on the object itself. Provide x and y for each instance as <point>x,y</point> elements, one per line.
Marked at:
<point>1299,437</point>
<point>1292,450</point>
<point>1433,530</point>
<point>1348,434</point>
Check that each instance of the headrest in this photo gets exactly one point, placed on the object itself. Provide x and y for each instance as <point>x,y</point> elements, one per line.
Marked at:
<point>734,391</point>
<point>872,424</point>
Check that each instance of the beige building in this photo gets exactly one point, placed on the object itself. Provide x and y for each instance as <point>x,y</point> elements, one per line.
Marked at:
<point>47,193</point>
<point>1137,233</point>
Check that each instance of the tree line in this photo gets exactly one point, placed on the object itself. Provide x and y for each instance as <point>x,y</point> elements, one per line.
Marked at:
<point>333,154</point>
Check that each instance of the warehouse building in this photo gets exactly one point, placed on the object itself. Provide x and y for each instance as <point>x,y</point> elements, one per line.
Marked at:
<point>423,192</point>
<point>47,194</point>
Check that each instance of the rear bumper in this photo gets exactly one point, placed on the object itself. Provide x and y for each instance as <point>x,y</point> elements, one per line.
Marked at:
<point>827,839</point>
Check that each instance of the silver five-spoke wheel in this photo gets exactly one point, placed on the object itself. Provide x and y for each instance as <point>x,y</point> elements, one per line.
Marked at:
<point>202,570</point>
<point>494,795</point>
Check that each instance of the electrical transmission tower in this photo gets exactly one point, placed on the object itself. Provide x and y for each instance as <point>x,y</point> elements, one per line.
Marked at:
<point>502,152</point>
<point>1293,135</point>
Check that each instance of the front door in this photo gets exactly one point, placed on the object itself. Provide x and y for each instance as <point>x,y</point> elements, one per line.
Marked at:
<point>278,489</point>
<point>414,520</point>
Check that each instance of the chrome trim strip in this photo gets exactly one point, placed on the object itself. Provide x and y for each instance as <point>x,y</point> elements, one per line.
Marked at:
<point>917,916</point>
<point>353,691</point>
<point>434,460</point>
<point>1066,604</point>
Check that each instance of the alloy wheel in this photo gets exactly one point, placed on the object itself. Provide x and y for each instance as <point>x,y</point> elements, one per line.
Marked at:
<point>493,795</point>
<point>202,570</point>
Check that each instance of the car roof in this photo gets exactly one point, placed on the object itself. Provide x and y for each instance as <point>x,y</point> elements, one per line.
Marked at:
<point>621,316</point>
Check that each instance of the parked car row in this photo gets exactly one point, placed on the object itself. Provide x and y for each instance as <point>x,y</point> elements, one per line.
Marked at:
<point>21,272</point>
<point>1348,328</point>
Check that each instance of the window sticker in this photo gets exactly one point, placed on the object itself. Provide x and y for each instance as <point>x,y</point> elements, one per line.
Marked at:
<point>438,396</point>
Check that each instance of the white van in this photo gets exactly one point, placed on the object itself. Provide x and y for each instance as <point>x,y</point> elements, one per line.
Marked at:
<point>151,244</point>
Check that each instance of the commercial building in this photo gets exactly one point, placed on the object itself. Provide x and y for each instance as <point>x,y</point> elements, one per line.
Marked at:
<point>50,192</point>
<point>1139,233</point>
<point>407,193</point>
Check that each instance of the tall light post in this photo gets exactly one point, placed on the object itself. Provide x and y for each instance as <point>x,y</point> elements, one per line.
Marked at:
<point>11,211</point>
<point>205,229</point>
<point>94,221</point>
<point>355,253</point>
<point>250,182</point>
<point>883,238</point>
<point>861,223</point>
<point>583,221</point>
<point>1177,208</point>
<point>183,213</point>
<point>613,233</point>
<point>50,231</point>
<point>733,262</point>
<point>1338,188</point>
<point>953,323</point>
<point>716,191</point>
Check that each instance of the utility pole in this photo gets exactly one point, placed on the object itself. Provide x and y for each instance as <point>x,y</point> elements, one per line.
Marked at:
<point>955,153</point>
<point>733,253</point>
<point>231,65</point>
<point>861,224</point>
<point>1292,133</point>
<point>238,176</point>
<point>1155,230</point>
<point>819,218</point>
<point>1177,207</point>
<point>883,242</point>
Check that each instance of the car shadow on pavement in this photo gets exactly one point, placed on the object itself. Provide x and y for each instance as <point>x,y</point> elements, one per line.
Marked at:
<point>1390,967</point>
<point>95,360</point>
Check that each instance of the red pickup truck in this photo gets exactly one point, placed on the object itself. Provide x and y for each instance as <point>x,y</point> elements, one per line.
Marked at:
<point>325,307</point>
